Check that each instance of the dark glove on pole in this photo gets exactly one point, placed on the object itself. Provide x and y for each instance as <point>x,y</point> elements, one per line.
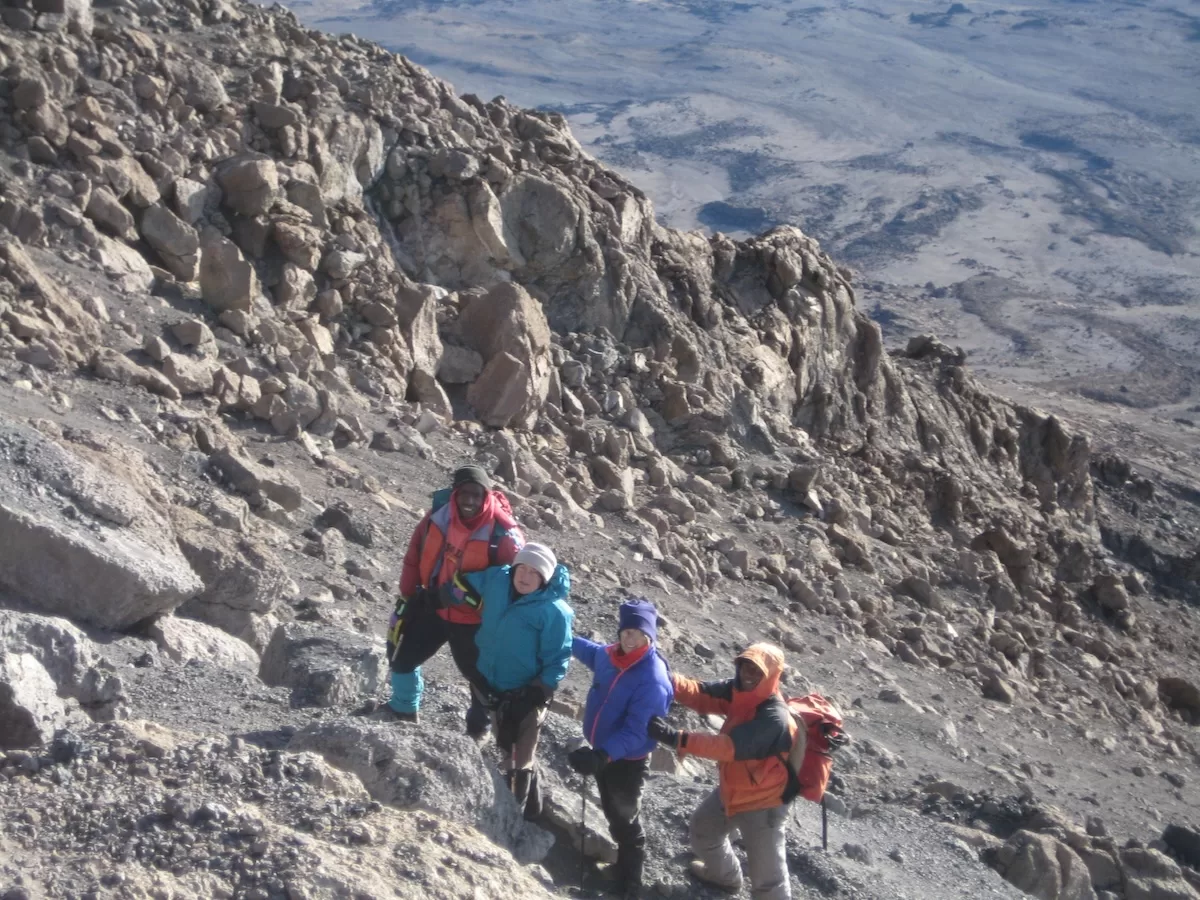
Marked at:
<point>658,729</point>
<point>587,760</point>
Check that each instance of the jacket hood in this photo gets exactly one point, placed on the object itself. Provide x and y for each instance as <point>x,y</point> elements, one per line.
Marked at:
<point>770,659</point>
<point>557,588</point>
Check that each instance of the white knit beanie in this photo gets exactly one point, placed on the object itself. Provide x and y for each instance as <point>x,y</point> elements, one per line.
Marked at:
<point>538,557</point>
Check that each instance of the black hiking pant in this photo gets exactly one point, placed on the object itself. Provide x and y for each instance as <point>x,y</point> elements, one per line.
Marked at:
<point>620,784</point>
<point>425,633</point>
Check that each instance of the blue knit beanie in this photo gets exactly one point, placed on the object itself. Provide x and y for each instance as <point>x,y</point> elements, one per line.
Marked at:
<point>639,613</point>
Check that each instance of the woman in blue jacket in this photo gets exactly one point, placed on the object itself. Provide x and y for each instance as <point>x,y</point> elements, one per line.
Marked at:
<point>632,684</point>
<point>524,642</point>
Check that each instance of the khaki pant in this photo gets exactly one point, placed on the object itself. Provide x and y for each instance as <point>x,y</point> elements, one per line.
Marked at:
<point>521,753</point>
<point>764,835</point>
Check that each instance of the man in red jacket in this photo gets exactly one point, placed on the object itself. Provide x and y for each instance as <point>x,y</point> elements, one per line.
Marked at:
<point>471,530</point>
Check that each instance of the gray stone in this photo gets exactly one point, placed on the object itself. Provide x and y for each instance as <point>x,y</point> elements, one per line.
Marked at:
<point>175,241</point>
<point>249,184</point>
<point>182,639</point>
<point>324,666</point>
<point>227,280</point>
<point>431,769</point>
<point>1042,866</point>
<point>190,376</point>
<point>77,541</point>
<point>69,657</point>
<point>107,212</point>
<point>199,84</point>
<point>30,708</point>
<point>459,365</point>
<point>243,579</point>
<point>248,477</point>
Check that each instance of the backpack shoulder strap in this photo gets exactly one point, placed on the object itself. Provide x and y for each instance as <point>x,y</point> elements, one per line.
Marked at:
<point>499,533</point>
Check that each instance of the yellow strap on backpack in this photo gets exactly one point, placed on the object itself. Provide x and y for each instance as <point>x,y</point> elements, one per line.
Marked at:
<point>470,596</point>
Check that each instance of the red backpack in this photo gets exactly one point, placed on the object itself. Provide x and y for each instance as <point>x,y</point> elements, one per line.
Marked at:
<point>818,734</point>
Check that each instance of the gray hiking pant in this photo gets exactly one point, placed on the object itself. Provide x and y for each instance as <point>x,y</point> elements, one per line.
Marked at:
<point>764,835</point>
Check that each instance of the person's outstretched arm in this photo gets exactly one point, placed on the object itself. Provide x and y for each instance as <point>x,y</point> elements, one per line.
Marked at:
<point>767,734</point>
<point>705,697</point>
<point>585,651</point>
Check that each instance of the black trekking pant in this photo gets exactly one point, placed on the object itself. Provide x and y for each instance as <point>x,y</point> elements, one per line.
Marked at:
<point>620,784</point>
<point>425,633</point>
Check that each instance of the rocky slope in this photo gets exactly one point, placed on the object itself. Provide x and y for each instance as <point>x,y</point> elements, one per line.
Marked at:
<point>260,286</point>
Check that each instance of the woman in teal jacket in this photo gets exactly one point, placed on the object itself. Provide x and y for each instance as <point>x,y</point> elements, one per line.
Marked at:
<point>524,642</point>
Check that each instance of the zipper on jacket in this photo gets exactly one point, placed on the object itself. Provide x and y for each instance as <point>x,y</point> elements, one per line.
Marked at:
<point>620,673</point>
<point>596,724</point>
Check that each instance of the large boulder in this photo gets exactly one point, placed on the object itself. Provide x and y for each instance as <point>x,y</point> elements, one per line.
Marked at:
<point>249,183</point>
<point>416,312</point>
<point>1151,875</point>
<point>430,769</point>
<point>200,86</point>
<point>1042,866</point>
<point>1181,695</point>
<point>505,319</point>
<point>77,12</point>
<point>184,639</point>
<point>174,240</point>
<point>248,477</point>
<point>80,542</point>
<point>68,656</point>
<point>508,328</point>
<point>243,579</point>
<point>227,280</point>
<point>110,365</point>
<point>323,666</point>
<point>505,393</point>
<point>30,708</point>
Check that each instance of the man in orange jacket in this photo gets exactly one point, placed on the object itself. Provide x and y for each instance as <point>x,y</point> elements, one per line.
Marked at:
<point>751,749</point>
<point>470,528</point>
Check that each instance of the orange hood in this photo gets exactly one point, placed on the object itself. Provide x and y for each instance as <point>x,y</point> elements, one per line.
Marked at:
<point>769,659</point>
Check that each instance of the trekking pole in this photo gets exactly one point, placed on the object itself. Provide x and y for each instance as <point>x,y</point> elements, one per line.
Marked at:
<point>583,837</point>
<point>824,826</point>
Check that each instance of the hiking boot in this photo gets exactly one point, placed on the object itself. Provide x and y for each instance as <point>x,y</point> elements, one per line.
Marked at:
<point>701,873</point>
<point>385,713</point>
<point>630,863</point>
<point>534,803</point>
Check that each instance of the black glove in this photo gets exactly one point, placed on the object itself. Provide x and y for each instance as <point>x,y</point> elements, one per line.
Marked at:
<point>587,760</point>
<point>660,730</point>
<point>425,600</point>
<point>524,701</point>
<point>535,694</point>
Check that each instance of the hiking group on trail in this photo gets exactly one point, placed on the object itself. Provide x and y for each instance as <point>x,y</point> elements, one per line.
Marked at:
<point>469,579</point>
